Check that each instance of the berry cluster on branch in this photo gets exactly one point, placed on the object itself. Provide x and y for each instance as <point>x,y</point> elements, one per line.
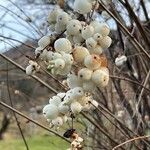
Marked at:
<point>77,55</point>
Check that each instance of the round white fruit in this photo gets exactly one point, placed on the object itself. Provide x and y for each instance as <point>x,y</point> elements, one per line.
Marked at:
<point>79,53</point>
<point>102,29</point>
<point>100,77</point>
<point>29,70</point>
<point>85,74</point>
<point>52,16</point>
<point>119,61</point>
<point>63,18</point>
<point>87,32</point>
<point>89,86</point>
<point>73,81</point>
<point>64,109</point>
<point>57,121</point>
<point>105,42</point>
<point>76,107</point>
<point>74,27</point>
<point>92,62</point>
<point>44,41</point>
<point>55,100</point>
<point>90,43</point>
<point>59,28</point>
<point>50,111</point>
<point>63,44</point>
<point>82,6</point>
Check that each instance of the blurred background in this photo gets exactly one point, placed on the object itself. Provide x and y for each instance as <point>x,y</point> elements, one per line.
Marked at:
<point>127,97</point>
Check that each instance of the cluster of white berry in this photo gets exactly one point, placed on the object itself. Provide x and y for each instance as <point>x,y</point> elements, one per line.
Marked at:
<point>32,67</point>
<point>79,56</point>
<point>61,106</point>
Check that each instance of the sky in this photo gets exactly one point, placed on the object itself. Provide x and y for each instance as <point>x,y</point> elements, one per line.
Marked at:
<point>13,22</point>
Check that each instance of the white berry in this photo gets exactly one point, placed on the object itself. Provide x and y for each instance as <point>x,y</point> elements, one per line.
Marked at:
<point>105,42</point>
<point>57,121</point>
<point>79,53</point>
<point>50,111</point>
<point>82,6</point>
<point>87,32</point>
<point>101,77</point>
<point>76,107</point>
<point>63,44</point>
<point>92,61</point>
<point>103,29</point>
<point>85,74</point>
<point>55,100</point>
<point>73,27</point>
<point>44,41</point>
<point>119,61</point>
<point>90,43</point>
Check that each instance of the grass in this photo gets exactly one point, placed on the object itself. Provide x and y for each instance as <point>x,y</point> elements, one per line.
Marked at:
<point>35,143</point>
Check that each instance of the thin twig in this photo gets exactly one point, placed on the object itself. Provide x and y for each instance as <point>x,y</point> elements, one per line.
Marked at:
<point>136,138</point>
<point>33,121</point>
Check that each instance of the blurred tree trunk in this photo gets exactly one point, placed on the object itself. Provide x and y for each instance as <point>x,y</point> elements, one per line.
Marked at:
<point>4,125</point>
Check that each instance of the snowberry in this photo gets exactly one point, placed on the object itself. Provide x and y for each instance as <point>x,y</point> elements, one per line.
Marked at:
<point>85,74</point>
<point>105,42</point>
<point>64,71</point>
<point>64,109</point>
<point>78,39</point>
<point>100,77</point>
<point>88,86</point>
<point>73,81</point>
<point>32,68</point>
<point>34,64</point>
<point>82,7</point>
<point>50,111</point>
<point>85,100</point>
<point>55,100</point>
<point>92,61</point>
<point>73,27</point>
<point>90,43</point>
<point>63,44</point>
<point>67,58</point>
<point>52,27</point>
<point>79,53</point>
<point>68,99</point>
<point>103,29</point>
<point>94,24</point>
<point>97,50</point>
<point>41,53</point>
<point>59,63</point>
<point>70,38</point>
<point>61,95</point>
<point>65,118</point>
<point>97,37</point>
<point>56,55</point>
<point>77,92</point>
<point>76,107</point>
<point>44,41</point>
<point>119,61</point>
<point>87,32</point>
<point>29,70</point>
<point>59,28</point>
<point>105,15</point>
<point>57,121</point>
<point>49,55</point>
<point>63,18</point>
<point>52,16</point>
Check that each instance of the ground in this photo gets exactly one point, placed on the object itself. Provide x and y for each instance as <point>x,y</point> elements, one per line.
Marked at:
<point>44,142</point>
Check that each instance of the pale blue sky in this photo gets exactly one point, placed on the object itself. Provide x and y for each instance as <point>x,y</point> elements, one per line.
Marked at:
<point>37,13</point>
